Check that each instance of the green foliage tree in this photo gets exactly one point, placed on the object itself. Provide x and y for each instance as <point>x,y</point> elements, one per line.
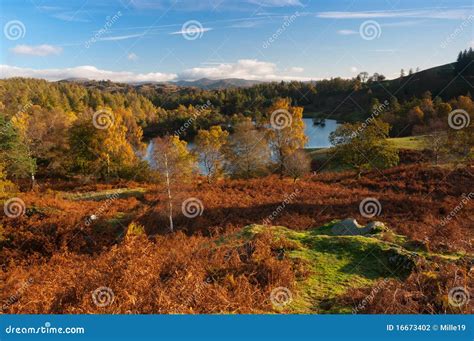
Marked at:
<point>14,153</point>
<point>364,147</point>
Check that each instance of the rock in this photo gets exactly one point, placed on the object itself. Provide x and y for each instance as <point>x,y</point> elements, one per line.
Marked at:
<point>377,226</point>
<point>349,227</point>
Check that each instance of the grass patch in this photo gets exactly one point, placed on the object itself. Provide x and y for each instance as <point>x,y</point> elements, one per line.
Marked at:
<point>409,142</point>
<point>336,264</point>
<point>107,194</point>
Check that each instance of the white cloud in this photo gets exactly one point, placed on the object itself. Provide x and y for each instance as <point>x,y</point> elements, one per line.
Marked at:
<point>354,69</point>
<point>89,72</point>
<point>436,13</point>
<point>40,50</point>
<point>251,69</point>
<point>77,16</point>
<point>347,32</point>
<point>211,4</point>
<point>114,38</point>
<point>132,56</point>
<point>276,3</point>
<point>296,69</point>
<point>192,30</point>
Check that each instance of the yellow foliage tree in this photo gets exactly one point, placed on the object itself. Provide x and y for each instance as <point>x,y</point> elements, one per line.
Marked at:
<point>209,144</point>
<point>286,130</point>
<point>175,164</point>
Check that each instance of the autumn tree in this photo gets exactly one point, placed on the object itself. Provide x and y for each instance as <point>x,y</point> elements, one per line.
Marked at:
<point>286,132</point>
<point>46,134</point>
<point>209,145</point>
<point>297,164</point>
<point>5,185</point>
<point>364,147</point>
<point>14,153</point>
<point>247,152</point>
<point>103,151</point>
<point>174,165</point>
<point>460,141</point>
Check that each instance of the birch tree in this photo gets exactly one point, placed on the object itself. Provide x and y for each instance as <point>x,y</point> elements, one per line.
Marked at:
<point>175,165</point>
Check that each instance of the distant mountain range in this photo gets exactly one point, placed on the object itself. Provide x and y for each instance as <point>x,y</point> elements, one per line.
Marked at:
<point>203,83</point>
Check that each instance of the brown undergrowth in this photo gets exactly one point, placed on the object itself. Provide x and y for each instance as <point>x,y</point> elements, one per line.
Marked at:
<point>53,257</point>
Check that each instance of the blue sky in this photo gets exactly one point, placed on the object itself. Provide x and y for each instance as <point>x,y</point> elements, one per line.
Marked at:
<point>163,40</point>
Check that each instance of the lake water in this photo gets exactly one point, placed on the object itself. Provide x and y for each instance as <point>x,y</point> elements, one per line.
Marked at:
<point>318,136</point>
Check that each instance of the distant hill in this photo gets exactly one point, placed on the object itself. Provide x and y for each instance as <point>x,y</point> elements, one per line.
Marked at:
<point>442,81</point>
<point>203,83</point>
<point>215,84</point>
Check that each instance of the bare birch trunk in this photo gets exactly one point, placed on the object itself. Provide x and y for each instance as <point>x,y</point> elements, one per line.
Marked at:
<point>170,203</point>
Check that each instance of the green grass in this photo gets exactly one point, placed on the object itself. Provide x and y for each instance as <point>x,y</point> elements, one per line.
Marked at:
<point>107,194</point>
<point>409,142</point>
<point>337,263</point>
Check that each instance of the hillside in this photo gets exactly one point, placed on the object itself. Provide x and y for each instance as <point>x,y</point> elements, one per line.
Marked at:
<point>225,261</point>
<point>442,81</point>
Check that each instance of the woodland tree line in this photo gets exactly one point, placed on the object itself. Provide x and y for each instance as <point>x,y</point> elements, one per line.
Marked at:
<point>50,128</point>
